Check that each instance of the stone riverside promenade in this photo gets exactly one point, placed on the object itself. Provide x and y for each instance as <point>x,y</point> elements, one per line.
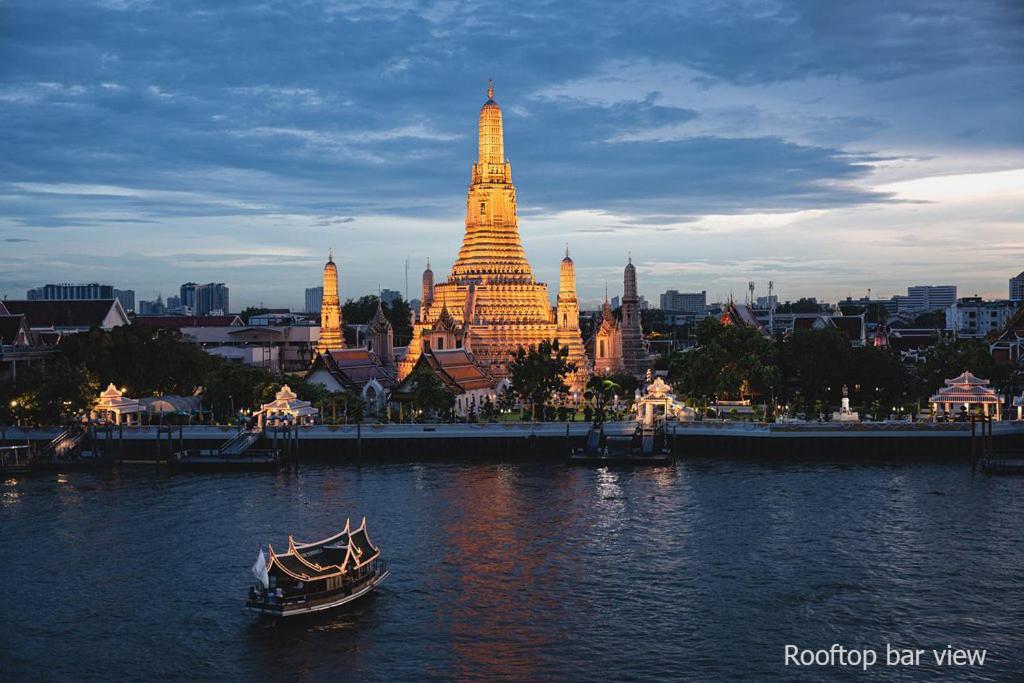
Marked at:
<point>529,441</point>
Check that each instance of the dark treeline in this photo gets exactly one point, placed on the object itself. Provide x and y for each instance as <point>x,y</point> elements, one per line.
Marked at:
<point>808,369</point>
<point>148,362</point>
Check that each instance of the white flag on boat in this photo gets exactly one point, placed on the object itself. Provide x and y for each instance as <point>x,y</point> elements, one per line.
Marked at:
<point>260,569</point>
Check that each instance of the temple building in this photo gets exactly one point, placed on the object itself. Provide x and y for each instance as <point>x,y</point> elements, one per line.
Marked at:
<point>427,295</point>
<point>567,316</point>
<point>742,315</point>
<point>606,344</point>
<point>461,375</point>
<point>634,355</point>
<point>491,304</point>
<point>369,372</point>
<point>330,312</point>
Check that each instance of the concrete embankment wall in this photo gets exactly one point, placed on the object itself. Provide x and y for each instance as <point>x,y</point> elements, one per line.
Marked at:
<point>500,442</point>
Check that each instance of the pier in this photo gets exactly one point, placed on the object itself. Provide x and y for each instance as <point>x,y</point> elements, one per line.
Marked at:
<point>511,441</point>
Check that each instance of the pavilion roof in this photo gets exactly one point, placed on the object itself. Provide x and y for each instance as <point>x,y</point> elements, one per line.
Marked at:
<point>966,379</point>
<point>965,389</point>
<point>332,556</point>
<point>287,402</point>
<point>113,398</point>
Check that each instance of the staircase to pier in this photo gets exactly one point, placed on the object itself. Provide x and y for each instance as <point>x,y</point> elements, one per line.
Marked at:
<point>67,443</point>
<point>240,442</point>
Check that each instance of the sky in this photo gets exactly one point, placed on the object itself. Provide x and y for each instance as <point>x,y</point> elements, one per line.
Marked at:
<point>830,147</point>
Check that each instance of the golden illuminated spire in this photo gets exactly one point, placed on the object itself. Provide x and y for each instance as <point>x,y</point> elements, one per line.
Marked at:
<point>330,310</point>
<point>491,134</point>
<point>491,250</point>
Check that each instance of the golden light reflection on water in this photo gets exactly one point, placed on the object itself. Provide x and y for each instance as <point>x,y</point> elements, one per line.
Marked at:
<point>495,552</point>
<point>10,498</point>
<point>68,492</point>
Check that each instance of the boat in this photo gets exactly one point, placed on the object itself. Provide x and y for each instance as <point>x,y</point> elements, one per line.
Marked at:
<point>315,577</point>
<point>624,443</point>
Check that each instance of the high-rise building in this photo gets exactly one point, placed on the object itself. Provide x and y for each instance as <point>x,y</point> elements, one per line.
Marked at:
<point>634,355</point>
<point>152,307</point>
<point>67,291</point>
<point>314,299</point>
<point>684,302</point>
<point>491,302</point>
<point>188,294</point>
<point>127,299</point>
<point>923,298</point>
<point>616,302</point>
<point>1017,288</point>
<point>330,310</point>
<point>208,298</point>
<point>389,296</point>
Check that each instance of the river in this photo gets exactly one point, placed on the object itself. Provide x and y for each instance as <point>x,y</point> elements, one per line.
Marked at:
<point>704,571</point>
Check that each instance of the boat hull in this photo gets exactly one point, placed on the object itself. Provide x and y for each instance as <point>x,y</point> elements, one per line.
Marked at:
<point>299,609</point>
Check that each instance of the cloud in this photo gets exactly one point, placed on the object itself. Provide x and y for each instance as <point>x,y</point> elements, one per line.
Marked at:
<point>657,126</point>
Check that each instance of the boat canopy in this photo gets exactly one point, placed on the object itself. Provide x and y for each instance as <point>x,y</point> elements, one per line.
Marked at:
<point>333,556</point>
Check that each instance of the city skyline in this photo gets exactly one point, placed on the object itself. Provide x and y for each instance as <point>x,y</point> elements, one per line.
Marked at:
<point>132,159</point>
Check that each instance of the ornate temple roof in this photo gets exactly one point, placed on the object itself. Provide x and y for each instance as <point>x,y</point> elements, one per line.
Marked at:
<point>608,322</point>
<point>446,323</point>
<point>380,323</point>
<point>353,368</point>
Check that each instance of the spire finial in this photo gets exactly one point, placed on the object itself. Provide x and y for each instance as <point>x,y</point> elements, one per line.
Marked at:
<point>330,255</point>
<point>566,250</point>
<point>490,88</point>
<point>629,256</point>
<point>428,263</point>
<point>606,291</point>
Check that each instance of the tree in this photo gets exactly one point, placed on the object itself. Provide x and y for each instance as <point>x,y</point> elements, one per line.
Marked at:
<point>878,374</point>
<point>729,361</point>
<point>602,391</point>
<point>48,394</point>
<point>801,305</point>
<point>538,373</point>
<point>361,311</point>
<point>487,411</point>
<point>815,364</point>
<point>949,359</point>
<point>142,359</point>
<point>429,394</point>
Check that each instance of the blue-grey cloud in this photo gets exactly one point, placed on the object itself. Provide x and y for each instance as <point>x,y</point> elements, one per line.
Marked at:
<point>332,113</point>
